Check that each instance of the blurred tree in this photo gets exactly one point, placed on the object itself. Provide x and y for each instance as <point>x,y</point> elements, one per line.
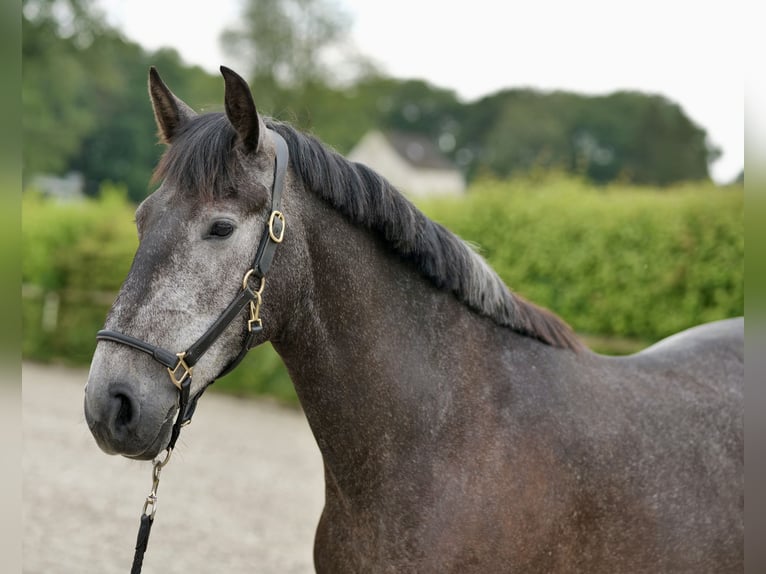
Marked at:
<point>77,20</point>
<point>342,116</point>
<point>297,55</point>
<point>529,132</point>
<point>124,148</point>
<point>641,138</point>
<point>55,80</point>
<point>286,42</point>
<point>632,136</point>
<point>85,103</point>
<point>417,106</point>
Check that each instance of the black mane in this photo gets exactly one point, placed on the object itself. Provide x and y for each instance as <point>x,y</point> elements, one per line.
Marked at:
<point>201,162</point>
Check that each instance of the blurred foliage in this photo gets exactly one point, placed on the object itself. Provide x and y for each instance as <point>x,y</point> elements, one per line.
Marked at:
<point>80,253</point>
<point>85,102</point>
<point>85,106</point>
<point>80,245</point>
<point>55,89</point>
<point>285,41</point>
<point>10,260</point>
<point>626,136</point>
<point>613,261</point>
<point>618,261</point>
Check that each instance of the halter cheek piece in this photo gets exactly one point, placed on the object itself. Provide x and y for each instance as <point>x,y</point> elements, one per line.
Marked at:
<point>180,365</point>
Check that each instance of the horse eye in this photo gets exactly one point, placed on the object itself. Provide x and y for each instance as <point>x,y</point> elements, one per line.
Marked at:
<point>221,229</point>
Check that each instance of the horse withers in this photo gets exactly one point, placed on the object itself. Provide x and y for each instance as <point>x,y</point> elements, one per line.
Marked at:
<point>462,428</point>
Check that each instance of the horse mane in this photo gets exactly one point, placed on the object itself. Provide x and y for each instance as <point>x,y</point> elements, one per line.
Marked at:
<point>200,162</point>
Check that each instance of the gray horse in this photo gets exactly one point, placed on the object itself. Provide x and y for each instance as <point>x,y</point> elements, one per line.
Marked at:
<point>462,428</point>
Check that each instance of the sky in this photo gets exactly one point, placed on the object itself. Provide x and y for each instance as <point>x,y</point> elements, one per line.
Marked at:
<point>689,52</point>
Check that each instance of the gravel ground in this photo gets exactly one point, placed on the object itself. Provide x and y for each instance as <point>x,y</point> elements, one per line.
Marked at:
<point>243,492</point>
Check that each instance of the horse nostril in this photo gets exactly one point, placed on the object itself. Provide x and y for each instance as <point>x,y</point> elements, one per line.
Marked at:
<point>124,410</point>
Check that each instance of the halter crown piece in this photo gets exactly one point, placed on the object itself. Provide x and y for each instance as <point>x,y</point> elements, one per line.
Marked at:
<point>180,365</point>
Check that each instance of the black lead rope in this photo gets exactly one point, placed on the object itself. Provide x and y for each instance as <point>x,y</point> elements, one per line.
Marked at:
<point>150,506</point>
<point>143,540</point>
<point>180,365</point>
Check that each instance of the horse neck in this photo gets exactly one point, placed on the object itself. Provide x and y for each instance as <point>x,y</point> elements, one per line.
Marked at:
<point>375,350</point>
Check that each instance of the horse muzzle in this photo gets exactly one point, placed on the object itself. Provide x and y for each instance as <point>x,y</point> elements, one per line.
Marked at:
<point>122,424</point>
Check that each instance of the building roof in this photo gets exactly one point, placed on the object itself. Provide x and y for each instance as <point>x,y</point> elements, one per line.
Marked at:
<point>418,150</point>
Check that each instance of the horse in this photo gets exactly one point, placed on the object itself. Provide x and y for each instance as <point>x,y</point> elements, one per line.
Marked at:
<point>462,428</point>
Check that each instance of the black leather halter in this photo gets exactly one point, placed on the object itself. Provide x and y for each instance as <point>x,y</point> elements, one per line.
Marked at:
<point>180,365</point>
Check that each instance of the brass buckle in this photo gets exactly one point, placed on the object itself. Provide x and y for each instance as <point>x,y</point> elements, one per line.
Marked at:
<point>274,237</point>
<point>187,370</point>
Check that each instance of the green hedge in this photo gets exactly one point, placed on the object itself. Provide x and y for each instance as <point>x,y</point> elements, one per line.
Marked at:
<point>615,262</point>
<point>84,245</point>
<point>74,257</point>
<point>618,261</point>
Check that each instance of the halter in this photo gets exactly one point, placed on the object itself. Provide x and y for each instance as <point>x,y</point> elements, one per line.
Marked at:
<point>180,365</point>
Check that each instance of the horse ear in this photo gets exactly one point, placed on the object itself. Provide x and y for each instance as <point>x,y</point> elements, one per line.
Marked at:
<point>240,109</point>
<point>170,112</point>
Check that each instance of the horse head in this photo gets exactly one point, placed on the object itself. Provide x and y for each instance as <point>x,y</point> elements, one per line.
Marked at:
<point>199,234</point>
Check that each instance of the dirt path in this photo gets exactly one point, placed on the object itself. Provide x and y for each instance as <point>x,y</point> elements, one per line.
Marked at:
<point>243,492</point>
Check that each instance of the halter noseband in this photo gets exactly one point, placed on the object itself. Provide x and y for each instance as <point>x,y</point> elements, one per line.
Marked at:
<point>180,365</point>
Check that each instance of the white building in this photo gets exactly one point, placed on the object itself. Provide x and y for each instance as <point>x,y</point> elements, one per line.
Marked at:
<point>410,162</point>
<point>65,189</point>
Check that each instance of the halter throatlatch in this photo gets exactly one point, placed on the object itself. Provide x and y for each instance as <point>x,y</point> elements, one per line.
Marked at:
<point>180,366</point>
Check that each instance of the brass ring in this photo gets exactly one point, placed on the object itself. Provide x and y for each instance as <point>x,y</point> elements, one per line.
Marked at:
<point>274,237</point>
<point>245,279</point>
<point>246,287</point>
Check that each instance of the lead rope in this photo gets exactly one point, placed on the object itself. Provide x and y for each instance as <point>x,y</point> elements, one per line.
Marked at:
<point>150,504</point>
